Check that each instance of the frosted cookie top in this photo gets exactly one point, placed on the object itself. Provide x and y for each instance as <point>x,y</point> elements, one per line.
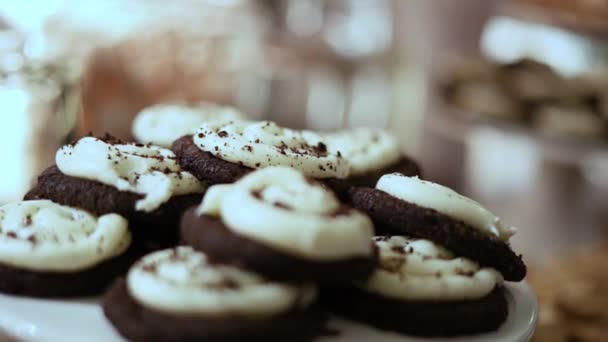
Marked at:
<point>366,149</point>
<point>42,235</point>
<point>143,169</point>
<point>446,201</point>
<point>282,208</point>
<point>262,144</point>
<point>420,270</point>
<point>162,124</point>
<point>183,281</point>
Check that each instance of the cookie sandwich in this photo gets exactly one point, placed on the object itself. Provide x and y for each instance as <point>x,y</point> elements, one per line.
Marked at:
<point>221,152</point>
<point>179,295</point>
<point>421,288</point>
<point>422,209</point>
<point>162,124</point>
<point>51,250</point>
<point>284,226</point>
<point>143,183</point>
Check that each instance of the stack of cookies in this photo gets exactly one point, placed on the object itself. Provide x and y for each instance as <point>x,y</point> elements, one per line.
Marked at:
<point>249,230</point>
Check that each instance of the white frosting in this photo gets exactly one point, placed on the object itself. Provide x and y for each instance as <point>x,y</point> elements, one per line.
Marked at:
<point>419,270</point>
<point>280,207</point>
<point>162,124</point>
<point>44,236</point>
<point>182,281</point>
<point>148,170</point>
<point>434,196</point>
<point>366,149</point>
<point>262,144</point>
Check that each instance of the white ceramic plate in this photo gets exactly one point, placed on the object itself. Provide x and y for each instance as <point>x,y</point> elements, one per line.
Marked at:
<point>83,320</point>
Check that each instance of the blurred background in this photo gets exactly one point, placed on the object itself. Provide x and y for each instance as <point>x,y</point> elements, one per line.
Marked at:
<point>505,101</point>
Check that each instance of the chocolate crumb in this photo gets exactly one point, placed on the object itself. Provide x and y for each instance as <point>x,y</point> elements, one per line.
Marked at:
<point>201,135</point>
<point>151,268</point>
<point>398,249</point>
<point>248,148</point>
<point>282,206</point>
<point>11,235</point>
<point>222,134</point>
<point>28,221</point>
<point>32,239</point>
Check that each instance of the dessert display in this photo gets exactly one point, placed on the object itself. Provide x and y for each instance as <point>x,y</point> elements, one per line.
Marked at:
<point>371,153</point>
<point>179,295</point>
<point>51,250</point>
<point>284,226</point>
<point>143,183</point>
<point>421,288</point>
<point>162,124</point>
<point>223,151</point>
<point>247,230</point>
<point>532,95</point>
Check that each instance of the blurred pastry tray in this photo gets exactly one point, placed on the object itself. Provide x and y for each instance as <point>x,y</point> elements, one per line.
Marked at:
<point>82,320</point>
<point>457,125</point>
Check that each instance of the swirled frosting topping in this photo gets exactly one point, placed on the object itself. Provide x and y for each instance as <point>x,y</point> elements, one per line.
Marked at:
<point>41,235</point>
<point>262,144</point>
<point>445,200</point>
<point>183,281</point>
<point>162,124</point>
<point>281,207</point>
<point>366,149</point>
<point>143,169</point>
<point>420,270</point>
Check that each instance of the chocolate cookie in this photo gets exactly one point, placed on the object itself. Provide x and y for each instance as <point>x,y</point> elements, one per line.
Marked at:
<point>221,244</point>
<point>419,318</point>
<point>100,199</point>
<point>89,282</point>
<point>393,215</point>
<point>138,323</point>
<point>51,250</point>
<point>204,165</point>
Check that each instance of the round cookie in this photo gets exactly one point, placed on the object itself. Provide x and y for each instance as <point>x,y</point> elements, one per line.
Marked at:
<point>410,206</point>
<point>178,295</point>
<point>221,152</point>
<point>50,250</point>
<point>280,224</point>
<point>420,288</point>
<point>143,183</point>
<point>371,153</point>
<point>162,124</point>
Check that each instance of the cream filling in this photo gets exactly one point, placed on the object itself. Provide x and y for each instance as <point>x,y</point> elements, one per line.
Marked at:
<point>366,149</point>
<point>419,270</point>
<point>162,124</point>
<point>262,144</point>
<point>182,281</point>
<point>434,196</point>
<point>280,207</point>
<point>44,236</point>
<point>143,169</point>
